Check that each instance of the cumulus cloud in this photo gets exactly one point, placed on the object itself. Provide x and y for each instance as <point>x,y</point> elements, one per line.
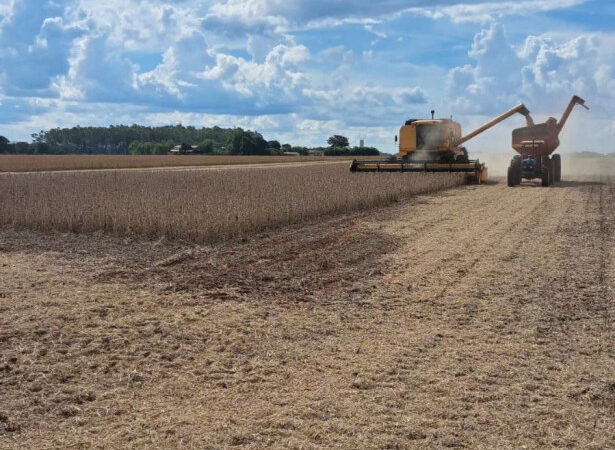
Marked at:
<point>490,10</point>
<point>279,71</point>
<point>543,72</point>
<point>35,44</point>
<point>277,64</point>
<point>286,15</point>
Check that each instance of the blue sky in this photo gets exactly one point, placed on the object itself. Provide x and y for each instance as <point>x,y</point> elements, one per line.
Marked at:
<point>299,71</point>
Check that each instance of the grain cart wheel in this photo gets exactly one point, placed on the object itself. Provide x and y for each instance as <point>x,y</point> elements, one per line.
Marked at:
<point>511,176</point>
<point>557,165</point>
<point>545,177</point>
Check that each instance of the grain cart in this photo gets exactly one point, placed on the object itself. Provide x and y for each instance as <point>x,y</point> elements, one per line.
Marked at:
<point>535,144</point>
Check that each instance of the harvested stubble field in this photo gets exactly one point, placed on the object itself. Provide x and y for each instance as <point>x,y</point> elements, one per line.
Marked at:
<point>479,317</point>
<point>43,163</point>
<point>198,205</point>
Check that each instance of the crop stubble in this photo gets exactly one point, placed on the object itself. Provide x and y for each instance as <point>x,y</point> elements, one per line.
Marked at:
<point>480,318</point>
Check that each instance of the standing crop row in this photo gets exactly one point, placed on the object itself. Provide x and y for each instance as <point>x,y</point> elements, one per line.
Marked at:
<point>198,205</point>
<point>40,163</point>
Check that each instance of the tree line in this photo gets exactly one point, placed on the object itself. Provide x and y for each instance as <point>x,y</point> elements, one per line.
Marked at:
<point>142,140</point>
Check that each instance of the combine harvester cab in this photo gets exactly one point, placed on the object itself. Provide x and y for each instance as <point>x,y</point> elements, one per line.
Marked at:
<point>535,144</point>
<point>436,145</point>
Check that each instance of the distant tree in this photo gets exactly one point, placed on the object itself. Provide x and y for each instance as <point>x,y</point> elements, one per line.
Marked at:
<point>338,141</point>
<point>303,151</point>
<point>134,148</point>
<point>149,148</point>
<point>23,148</point>
<point>355,151</point>
<point>274,144</point>
<point>206,147</point>
<point>143,140</point>
<point>247,143</point>
<point>4,145</point>
<point>365,151</point>
<point>41,148</point>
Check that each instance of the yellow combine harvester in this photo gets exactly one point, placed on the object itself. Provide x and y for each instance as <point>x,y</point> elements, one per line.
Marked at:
<point>436,145</point>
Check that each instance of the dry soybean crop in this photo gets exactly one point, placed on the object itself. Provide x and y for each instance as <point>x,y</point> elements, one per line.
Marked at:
<point>41,163</point>
<point>198,205</point>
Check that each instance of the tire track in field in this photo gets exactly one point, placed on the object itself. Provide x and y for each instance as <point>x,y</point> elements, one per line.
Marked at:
<point>463,248</point>
<point>486,324</point>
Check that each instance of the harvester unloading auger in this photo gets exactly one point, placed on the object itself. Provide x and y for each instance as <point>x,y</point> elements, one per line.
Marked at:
<point>535,144</point>
<point>436,145</point>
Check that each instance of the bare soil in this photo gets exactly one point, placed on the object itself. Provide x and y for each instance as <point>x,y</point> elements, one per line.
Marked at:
<point>480,317</point>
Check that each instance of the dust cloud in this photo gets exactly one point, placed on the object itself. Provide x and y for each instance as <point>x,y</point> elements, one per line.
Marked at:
<point>587,165</point>
<point>497,163</point>
<point>572,164</point>
<point>429,137</point>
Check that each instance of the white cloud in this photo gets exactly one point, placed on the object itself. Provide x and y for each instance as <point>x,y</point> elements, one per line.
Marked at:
<point>285,15</point>
<point>180,67</point>
<point>274,65</point>
<point>491,10</point>
<point>137,25</point>
<point>543,73</point>
<point>279,71</point>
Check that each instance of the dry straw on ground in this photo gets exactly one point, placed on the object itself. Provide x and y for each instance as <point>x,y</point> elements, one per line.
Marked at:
<point>39,163</point>
<point>198,205</point>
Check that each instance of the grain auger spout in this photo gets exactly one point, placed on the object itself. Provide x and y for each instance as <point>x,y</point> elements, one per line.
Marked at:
<point>521,109</point>
<point>436,145</point>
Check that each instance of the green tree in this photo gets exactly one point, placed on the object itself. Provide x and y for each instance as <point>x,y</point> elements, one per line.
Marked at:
<point>274,144</point>
<point>247,143</point>
<point>338,141</point>
<point>4,145</point>
<point>206,147</point>
<point>23,148</point>
<point>135,148</point>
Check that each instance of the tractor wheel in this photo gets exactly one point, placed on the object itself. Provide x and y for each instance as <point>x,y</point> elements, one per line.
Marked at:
<point>512,178</point>
<point>545,177</point>
<point>557,163</point>
<point>518,172</point>
<point>516,163</point>
<point>552,173</point>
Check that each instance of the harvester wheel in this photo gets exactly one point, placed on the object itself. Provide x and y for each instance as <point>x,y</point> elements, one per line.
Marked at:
<point>546,177</point>
<point>557,165</point>
<point>512,177</point>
